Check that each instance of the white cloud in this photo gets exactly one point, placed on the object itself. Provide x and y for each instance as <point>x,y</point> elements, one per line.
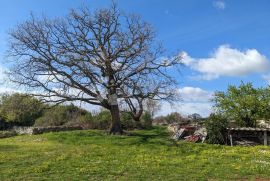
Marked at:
<point>226,61</point>
<point>194,94</point>
<point>5,85</point>
<point>204,109</point>
<point>186,108</point>
<point>219,4</point>
<point>194,100</point>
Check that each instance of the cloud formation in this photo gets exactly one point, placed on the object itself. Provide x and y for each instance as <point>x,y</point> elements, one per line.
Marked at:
<point>194,100</point>
<point>219,4</point>
<point>226,61</point>
<point>194,94</point>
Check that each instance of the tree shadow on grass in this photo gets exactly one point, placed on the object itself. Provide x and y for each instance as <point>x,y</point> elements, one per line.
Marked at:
<point>154,136</point>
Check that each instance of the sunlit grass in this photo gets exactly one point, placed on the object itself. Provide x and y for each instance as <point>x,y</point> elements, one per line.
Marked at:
<point>145,155</point>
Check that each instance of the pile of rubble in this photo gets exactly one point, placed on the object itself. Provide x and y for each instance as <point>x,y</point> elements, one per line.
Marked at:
<point>191,133</point>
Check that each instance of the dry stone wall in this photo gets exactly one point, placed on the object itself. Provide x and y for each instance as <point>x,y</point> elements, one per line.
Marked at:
<point>40,130</point>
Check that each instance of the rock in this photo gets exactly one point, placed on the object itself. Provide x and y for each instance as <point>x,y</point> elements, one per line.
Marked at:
<point>23,130</point>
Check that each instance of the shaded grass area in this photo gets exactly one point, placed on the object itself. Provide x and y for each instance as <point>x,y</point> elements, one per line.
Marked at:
<point>145,155</point>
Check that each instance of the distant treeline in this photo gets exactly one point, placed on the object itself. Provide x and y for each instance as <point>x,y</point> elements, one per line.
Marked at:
<point>25,110</point>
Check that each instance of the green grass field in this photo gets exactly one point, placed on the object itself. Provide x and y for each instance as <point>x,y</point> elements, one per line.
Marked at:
<point>146,155</point>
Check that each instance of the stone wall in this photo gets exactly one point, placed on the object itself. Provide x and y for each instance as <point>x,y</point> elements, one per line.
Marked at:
<point>40,130</point>
<point>23,130</point>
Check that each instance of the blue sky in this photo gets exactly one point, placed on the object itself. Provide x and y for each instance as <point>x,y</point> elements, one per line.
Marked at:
<point>225,41</point>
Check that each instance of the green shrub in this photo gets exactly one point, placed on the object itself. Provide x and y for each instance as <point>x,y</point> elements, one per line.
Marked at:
<point>20,109</point>
<point>73,116</point>
<point>216,126</point>
<point>101,120</point>
<point>3,124</point>
<point>173,117</point>
<point>147,120</point>
<point>83,120</point>
<point>64,115</point>
<point>127,121</point>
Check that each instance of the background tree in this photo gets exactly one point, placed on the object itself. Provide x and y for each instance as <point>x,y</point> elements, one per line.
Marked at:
<point>244,104</point>
<point>174,117</point>
<point>86,57</point>
<point>147,93</point>
<point>20,109</point>
<point>147,119</point>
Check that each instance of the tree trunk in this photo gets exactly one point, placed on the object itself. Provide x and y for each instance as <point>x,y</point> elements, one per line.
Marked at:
<point>115,124</point>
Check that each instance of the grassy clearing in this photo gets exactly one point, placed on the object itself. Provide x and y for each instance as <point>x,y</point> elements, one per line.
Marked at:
<point>147,155</point>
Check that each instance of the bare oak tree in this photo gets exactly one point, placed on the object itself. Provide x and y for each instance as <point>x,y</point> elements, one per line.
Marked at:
<point>85,56</point>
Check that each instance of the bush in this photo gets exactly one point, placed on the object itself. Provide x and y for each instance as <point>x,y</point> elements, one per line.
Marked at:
<point>216,126</point>
<point>127,121</point>
<point>4,125</point>
<point>64,115</point>
<point>173,117</point>
<point>147,120</point>
<point>101,120</point>
<point>20,109</point>
<point>82,120</point>
<point>73,116</point>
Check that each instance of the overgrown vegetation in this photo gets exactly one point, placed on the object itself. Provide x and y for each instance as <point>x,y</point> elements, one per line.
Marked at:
<point>20,109</point>
<point>244,104</point>
<point>173,117</point>
<point>24,110</point>
<point>64,115</point>
<point>216,126</point>
<point>146,155</point>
